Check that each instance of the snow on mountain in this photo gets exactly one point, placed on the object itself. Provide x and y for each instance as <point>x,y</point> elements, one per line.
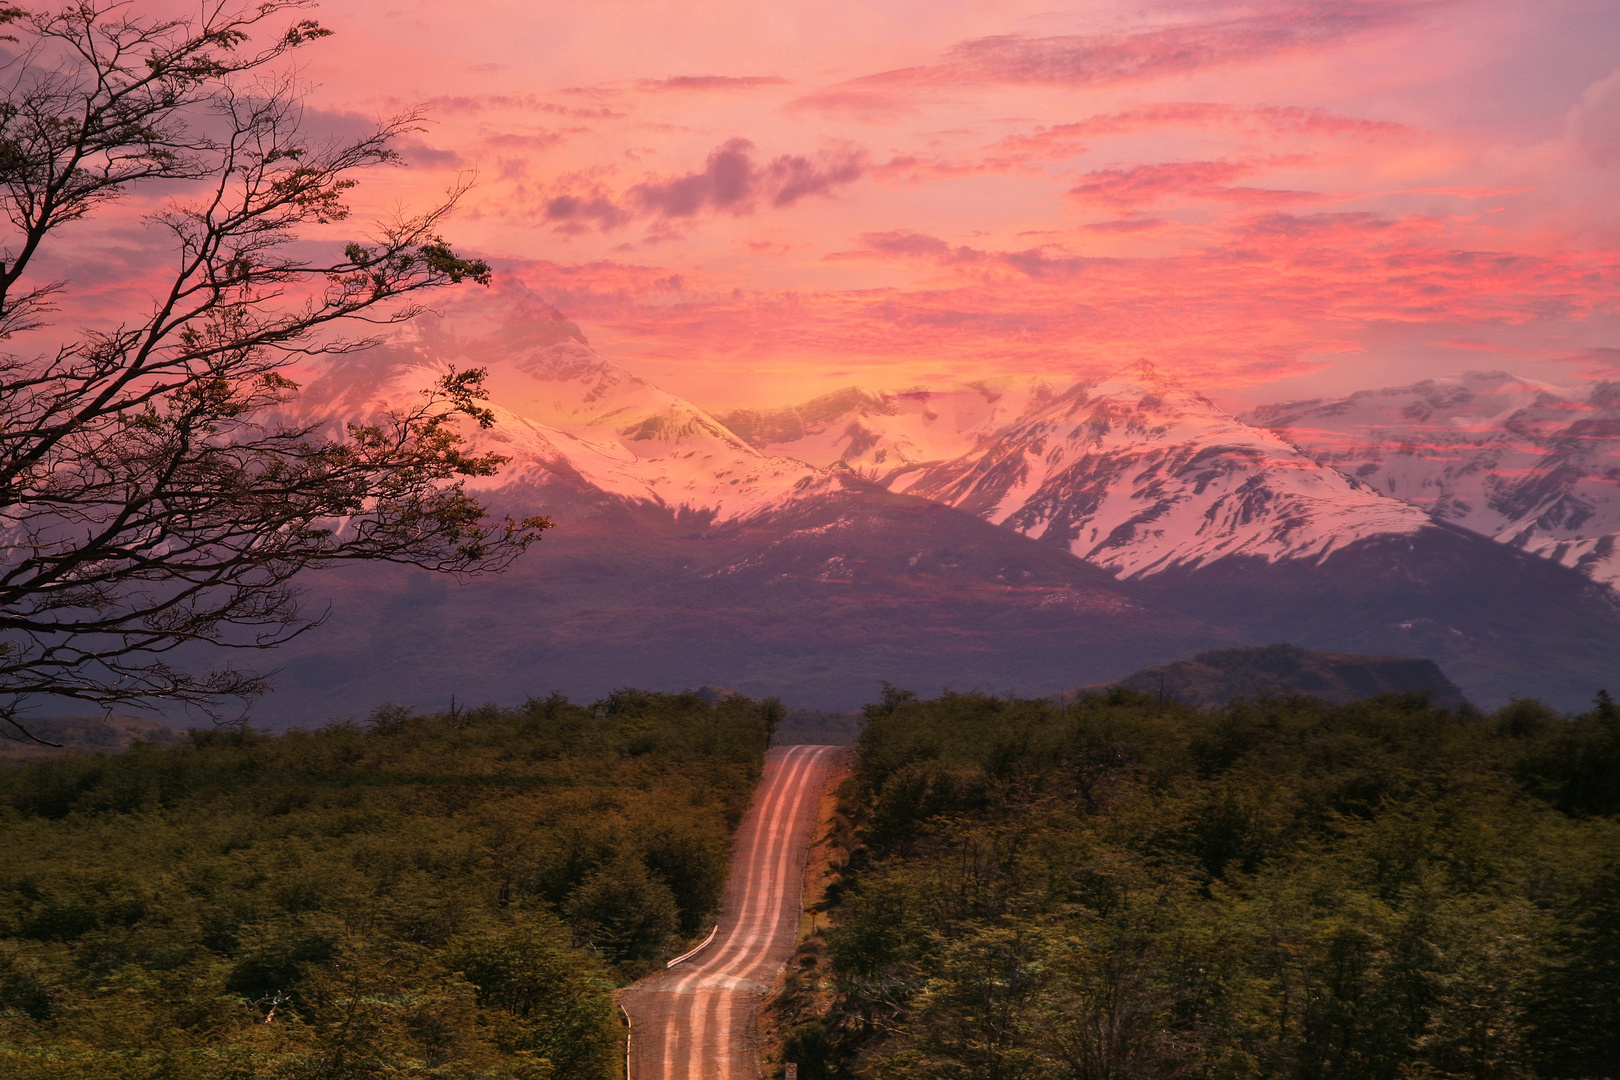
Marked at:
<point>562,411</point>
<point>873,433</point>
<point>1138,474</point>
<point>1527,463</point>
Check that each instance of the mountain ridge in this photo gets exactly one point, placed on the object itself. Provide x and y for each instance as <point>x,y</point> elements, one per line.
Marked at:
<point>687,554</point>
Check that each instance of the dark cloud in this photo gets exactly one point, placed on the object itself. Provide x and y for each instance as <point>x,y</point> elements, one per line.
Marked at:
<point>575,210</point>
<point>726,183</point>
<point>731,181</point>
<point>791,177</point>
<point>1036,263</point>
<point>1302,225</point>
<point>420,153</point>
<point>540,140</point>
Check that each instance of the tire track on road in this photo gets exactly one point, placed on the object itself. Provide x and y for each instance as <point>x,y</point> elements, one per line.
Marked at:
<point>696,1021</point>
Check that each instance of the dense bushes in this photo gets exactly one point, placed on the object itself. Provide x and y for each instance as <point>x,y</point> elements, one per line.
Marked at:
<point>1119,888</point>
<point>453,895</point>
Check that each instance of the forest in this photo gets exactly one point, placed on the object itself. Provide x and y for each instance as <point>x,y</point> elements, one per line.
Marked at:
<point>452,895</point>
<point>1109,888</point>
<point>1123,888</point>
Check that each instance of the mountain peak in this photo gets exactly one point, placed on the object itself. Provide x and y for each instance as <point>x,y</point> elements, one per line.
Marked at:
<point>1139,473</point>
<point>874,433</point>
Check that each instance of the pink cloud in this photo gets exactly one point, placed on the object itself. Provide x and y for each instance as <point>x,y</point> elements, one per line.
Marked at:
<point>454,104</point>
<point>1125,225</point>
<point>1147,183</point>
<point>1471,344</point>
<point>1108,59</point>
<point>1184,179</point>
<point>709,82</point>
<point>1595,122</point>
<point>1266,301</point>
<point>1096,59</point>
<point>1060,141</point>
<point>1600,363</point>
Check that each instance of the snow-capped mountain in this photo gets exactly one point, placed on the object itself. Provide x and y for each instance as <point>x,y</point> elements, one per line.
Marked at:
<point>565,413</point>
<point>1138,474</point>
<point>873,433</point>
<point>1012,535</point>
<point>1527,463</point>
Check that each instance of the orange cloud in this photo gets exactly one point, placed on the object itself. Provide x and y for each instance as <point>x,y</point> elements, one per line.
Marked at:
<point>1274,296</point>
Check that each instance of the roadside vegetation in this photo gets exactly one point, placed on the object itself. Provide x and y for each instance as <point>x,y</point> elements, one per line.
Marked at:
<point>1122,889</point>
<point>453,895</point>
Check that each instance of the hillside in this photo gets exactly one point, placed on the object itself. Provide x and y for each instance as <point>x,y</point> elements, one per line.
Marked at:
<point>817,605</point>
<point>1210,680</point>
<point>1500,622</point>
<point>96,733</point>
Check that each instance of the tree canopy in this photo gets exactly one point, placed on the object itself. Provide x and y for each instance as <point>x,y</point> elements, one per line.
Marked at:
<point>437,896</point>
<point>155,491</point>
<point>1122,888</point>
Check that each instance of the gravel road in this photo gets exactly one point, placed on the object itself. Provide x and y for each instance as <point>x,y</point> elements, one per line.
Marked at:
<point>695,1021</point>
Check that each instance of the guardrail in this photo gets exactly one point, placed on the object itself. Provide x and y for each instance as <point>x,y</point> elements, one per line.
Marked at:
<point>688,954</point>
<point>629,1030</point>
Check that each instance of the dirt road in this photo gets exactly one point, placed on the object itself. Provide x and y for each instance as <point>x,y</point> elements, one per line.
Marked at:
<point>695,1021</point>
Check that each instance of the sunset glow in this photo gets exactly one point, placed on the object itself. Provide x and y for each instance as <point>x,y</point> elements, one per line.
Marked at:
<point>755,203</point>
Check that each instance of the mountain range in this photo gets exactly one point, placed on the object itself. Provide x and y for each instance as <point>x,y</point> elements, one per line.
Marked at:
<point>1012,535</point>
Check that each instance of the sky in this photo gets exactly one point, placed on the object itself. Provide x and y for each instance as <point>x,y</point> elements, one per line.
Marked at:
<point>750,204</point>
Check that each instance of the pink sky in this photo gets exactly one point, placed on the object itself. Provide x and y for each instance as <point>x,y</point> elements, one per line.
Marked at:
<point>753,203</point>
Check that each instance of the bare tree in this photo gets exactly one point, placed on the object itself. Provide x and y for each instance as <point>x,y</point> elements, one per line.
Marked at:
<point>153,492</point>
